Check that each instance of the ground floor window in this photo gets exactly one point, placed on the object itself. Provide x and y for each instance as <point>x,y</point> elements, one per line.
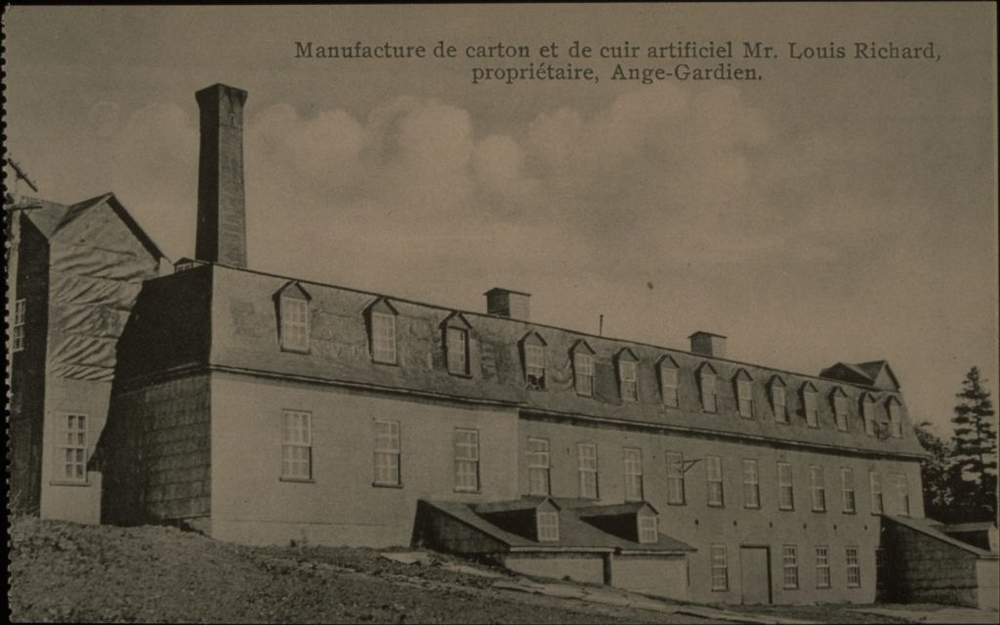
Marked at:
<point>296,445</point>
<point>720,568</point>
<point>467,460</point>
<point>387,453</point>
<point>822,567</point>
<point>853,568</point>
<point>790,564</point>
<point>73,448</point>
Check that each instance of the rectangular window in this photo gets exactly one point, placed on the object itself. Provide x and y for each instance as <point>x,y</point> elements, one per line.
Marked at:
<point>708,392</point>
<point>868,414</point>
<point>811,407</point>
<point>713,472</point>
<point>780,403</point>
<point>751,484</point>
<point>466,460</point>
<point>903,494</point>
<point>817,488</point>
<point>668,382</point>
<point>633,473</point>
<point>73,448</point>
<point>387,453</point>
<point>895,420</point>
<point>548,526</point>
<point>458,351</point>
<point>675,478</point>
<point>786,498</point>
<point>296,445</point>
<point>534,365</point>
<point>822,567</point>
<point>583,369</point>
<point>294,324</point>
<point>17,328</point>
<point>538,466</point>
<point>648,532</point>
<point>720,568</point>
<point>630,382</point>
<point>790,566</point>
<point>587,470</point>
<point>840,412</point>
<point>875,486</point>
<point>383,337</point>
<point>853,568</point>
<point>744,390</point>
<point>847,490</point>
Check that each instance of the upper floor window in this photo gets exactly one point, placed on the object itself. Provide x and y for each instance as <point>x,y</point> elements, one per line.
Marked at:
<point>847,490</point>
<point>466,460</point>
<point>810,405</point>
<point>296,445</point>
<point>648,531</point>
<point>456,344</point>
<point>895,418</point>
<point>633,473</point>
<point>533,352</point>
<point>744,394</point>
<point>840,408</point>
<point>17,327</point>
<point>72,459</point>
<point>675,478</point>
<point>382,331</point>
<point>713,472</point>
<point>387,449</point>
<point>706,380</point>
<point>583,369</point>
<point>669,382</point>
<point>628,375</point>
<point>751,484</point>
<point>817,486</point>
<point>903,494</point>
<point>548,526</point>
<point>868,413</point>
<point>786,497</point>
<point>538,466</point>
<point>779,401</point>
<point>293,308</point>
<point>587,470</point>
<point>720,569</point>
<point>875,488</point>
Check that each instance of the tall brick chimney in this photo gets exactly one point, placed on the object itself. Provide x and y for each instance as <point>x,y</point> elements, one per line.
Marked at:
<point>222,231</point>
<point>708,344</point>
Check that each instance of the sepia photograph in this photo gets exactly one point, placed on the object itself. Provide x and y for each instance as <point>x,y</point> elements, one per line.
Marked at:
<point>502,313</point>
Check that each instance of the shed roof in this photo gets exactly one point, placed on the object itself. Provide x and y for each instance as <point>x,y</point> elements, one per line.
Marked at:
<point>928,528</point>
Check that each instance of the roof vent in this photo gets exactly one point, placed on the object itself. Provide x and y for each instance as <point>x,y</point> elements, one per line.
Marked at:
<point>708,344</point>
<point>507,303</point>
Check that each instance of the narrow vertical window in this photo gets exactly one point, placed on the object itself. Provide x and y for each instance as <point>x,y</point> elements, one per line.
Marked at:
<point>296,445</point>
<point>627,371</point>
<point>675,478</point>
<point>548,526</point>
<point>875,486</point>
<point>751,484</point>
<point>903,494</point>
<point>790,566</point>
<point>384,337</point>
<point>466,460</point>
<point>810,406</point>
<point>707,379</point>
<point>868,414</point>
<point>648,532</point>
<point>73,448</point>
<point>720,568</point>
<point>817,487</point>
<point>633,473</point>
<point>895,419</point>
<point>583,372</point>
<point>713,472</point>
<point>786,498</point>
<point>847,490</point>
<point>779,401</point>
<point>17,328</point>
<point>387,453</point>
<point>538,466</point>
<point>668,384</point>
<point>853,568</point>
<point>294,324</point>
<point>840,410</point>
<point>458,351</point>
<point>534,363</point>
<point>587,470</point>
<point>744,396</point>
<point>822,567</point>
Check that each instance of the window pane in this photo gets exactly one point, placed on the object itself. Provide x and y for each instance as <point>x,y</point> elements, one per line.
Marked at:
<point>675,478</point>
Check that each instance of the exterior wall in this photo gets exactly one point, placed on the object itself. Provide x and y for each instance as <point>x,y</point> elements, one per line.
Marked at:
<point>340,505</point>
<point>663,576</point>
<point>733,525</point>
<point>988,581</point>
<point>577,567</point>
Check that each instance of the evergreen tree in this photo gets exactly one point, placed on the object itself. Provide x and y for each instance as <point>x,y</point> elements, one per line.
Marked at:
<point>937,474</point>
<point>975,449</point>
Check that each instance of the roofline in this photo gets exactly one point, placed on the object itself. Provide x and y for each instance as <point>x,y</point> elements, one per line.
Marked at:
<point>911,523</point>
<point>703,333</point>
<point>557,549</point>
<point>132,224</point>
<point>503,290</point>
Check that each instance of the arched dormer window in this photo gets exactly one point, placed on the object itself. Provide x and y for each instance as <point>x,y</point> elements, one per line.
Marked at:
<point>456,330</point>
<point>839,400</point>
<point>293,317</point>
<point>868,406</point>
<point>381,318</point>
<point>533,359</point>
<point>583,368</point>
<point>628,375</point>
<point>779,399</point>
<point>895,410</point>
<point>743,386</point>
<point>706,384</point>
<point>810,404</point>
<point>669,382</point>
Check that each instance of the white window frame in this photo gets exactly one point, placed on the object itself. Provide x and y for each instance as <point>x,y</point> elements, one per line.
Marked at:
<point>895,419</point>
<point>294,323</point>
<point>714,488</point>
<point>548,525</point>
<point>720,567</point>
<point>789,567</point>
<point>709,399</point>
<point>786,483</point>
<point>387,453</point>
<point>817,488</point>
<point>17,325</point>
<point>587,468</point>
<point>823,567</point>
<point>466,451</point>
<point>779,400</point>
<point>383,337</point>
<point>72,448</point>
<point>632,461</point>
<point>840,412</point>
<point>628,371</point>
<point>534,363</point>
<point>875,488</point>
<point>853,567</point>
<point>810,405</point>
<point>847,490</point>
<point>296,446</point>
<point>648,530</point>
<point>751,484</point>
<point>868,414</point>
<point>903,494</point>
<point>675,478</point>
<point>744,397</point>
<point>458,350</point>
<point>583,373</point>
<point>539,466</point>
<point>670,385</point>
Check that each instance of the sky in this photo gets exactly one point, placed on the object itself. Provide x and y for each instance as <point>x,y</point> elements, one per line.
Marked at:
<point>836,209</point>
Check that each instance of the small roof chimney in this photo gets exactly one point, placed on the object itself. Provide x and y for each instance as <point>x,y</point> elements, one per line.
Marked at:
<point>222,232</point>
<point>507,303</point>
<point>708,344</point>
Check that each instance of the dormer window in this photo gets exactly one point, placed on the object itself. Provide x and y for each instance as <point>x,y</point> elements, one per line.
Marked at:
<point>744,394</point>
<point>583,369</point>
<point>779,400</point>
<point>895,418</point>
<point>868,413</point>
<point>840,409</point>
<point>669,382</point>
<point>382,331</point>
<point>648,531</point>
<point>628,375</point>
<point>810,404</point>
<point>548,526</point>
<point>456,344</point>
<point>706,380</point>
<point>533,352</point>
<point>293,313</point>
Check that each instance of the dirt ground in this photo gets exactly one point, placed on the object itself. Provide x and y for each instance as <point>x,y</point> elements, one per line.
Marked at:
<point>62,572</point>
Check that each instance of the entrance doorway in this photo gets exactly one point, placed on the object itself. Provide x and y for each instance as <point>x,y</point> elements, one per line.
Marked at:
<point>755,575</point>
